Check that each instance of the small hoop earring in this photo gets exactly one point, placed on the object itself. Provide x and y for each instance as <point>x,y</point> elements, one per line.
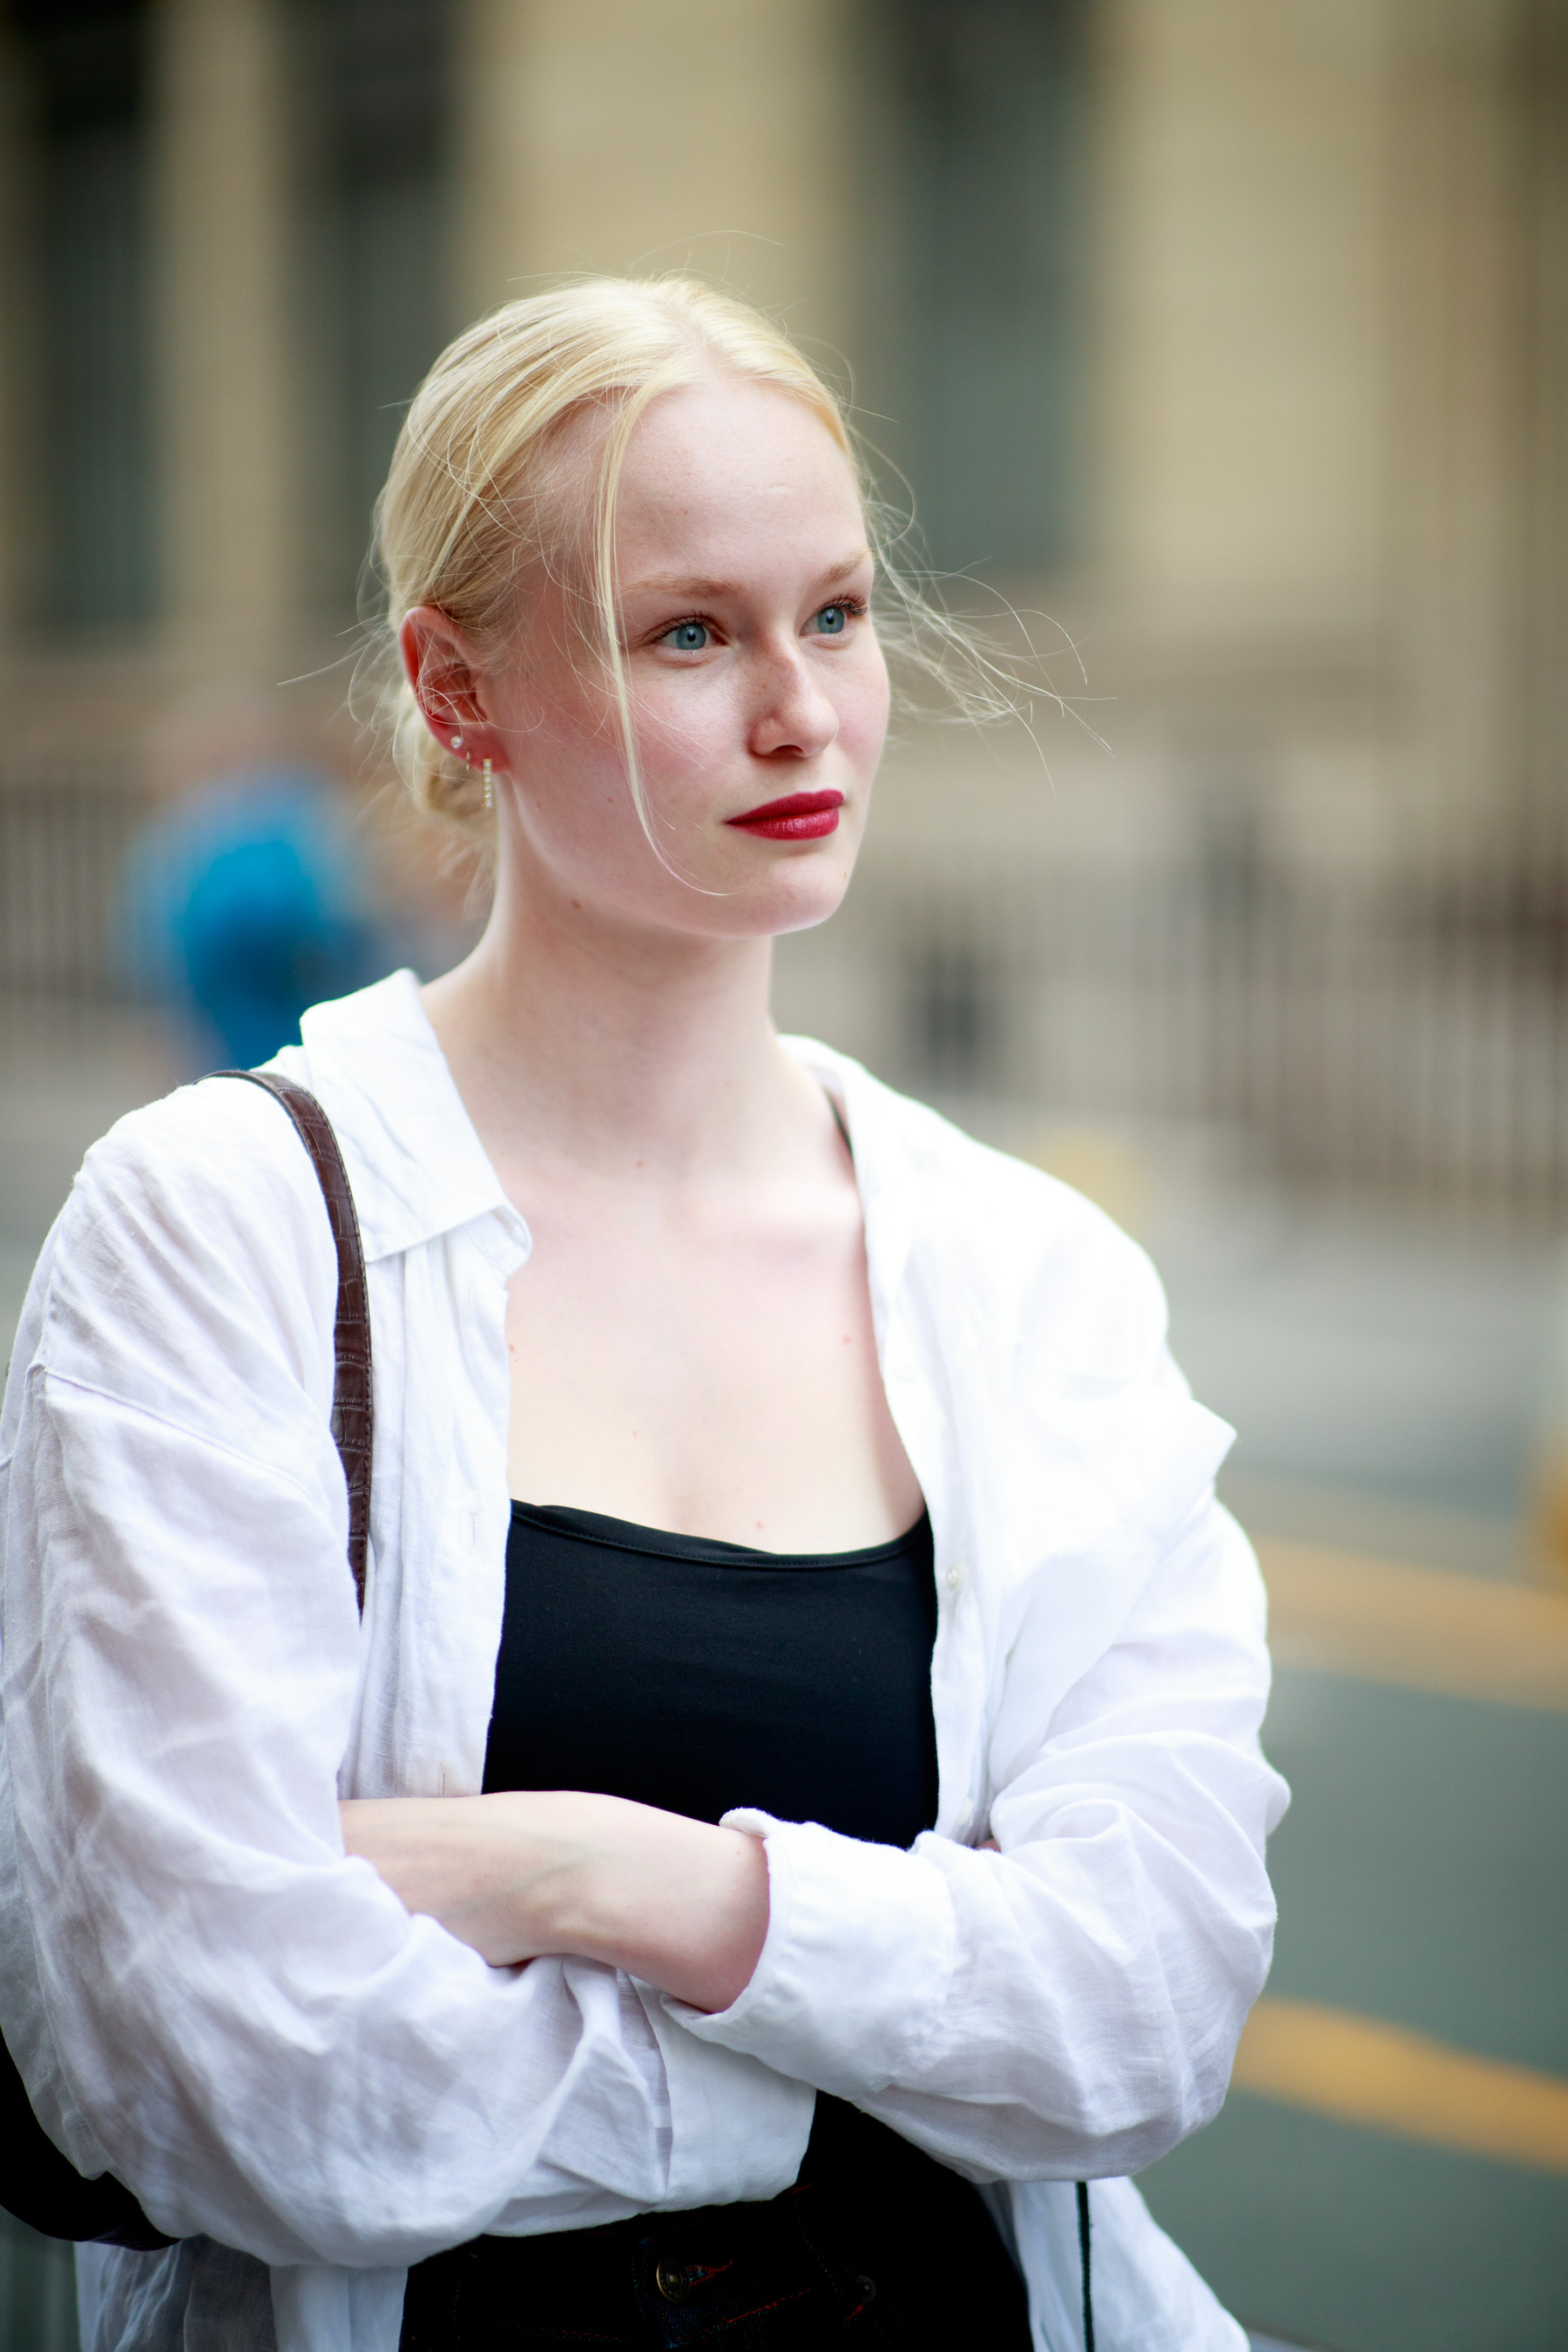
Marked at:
<point>489,786</point>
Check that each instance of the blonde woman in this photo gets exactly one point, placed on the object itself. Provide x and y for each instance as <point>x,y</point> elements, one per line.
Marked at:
<point>802,1810</point>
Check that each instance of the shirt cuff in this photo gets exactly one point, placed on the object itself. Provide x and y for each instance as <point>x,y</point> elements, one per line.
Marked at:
<point>854,1971</point>
<point>738,2131</point>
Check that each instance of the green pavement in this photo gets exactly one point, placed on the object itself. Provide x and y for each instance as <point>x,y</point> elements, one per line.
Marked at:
<point>1423,1879</point>
<point>38,2292</point>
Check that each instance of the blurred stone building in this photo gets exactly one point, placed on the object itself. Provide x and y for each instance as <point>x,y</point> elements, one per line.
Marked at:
<point>1233,339</point>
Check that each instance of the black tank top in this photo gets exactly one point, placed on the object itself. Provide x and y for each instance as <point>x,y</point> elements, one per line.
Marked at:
<point>698,1675</point>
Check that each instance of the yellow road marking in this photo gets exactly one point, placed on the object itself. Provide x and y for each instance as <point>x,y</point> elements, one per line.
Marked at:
<point>1359,2070</point>
<point>1464,1635</point>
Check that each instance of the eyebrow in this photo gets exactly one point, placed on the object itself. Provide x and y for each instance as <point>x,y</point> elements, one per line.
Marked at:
<point>695,585</point>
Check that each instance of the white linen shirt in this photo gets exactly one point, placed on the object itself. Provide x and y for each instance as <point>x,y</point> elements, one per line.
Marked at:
<point>206,1997</point>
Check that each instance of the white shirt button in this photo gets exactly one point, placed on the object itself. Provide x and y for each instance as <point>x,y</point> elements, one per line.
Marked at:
<point>955,1576</point>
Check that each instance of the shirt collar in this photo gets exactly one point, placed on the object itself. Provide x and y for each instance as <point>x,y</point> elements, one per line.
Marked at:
<point>887,1157</point>
<point>418,1166</point>
<point>419,1169</point>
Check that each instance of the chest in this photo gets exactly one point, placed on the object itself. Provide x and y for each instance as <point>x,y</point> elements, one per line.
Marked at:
<point>717,1376</point>
<point>446,1390</point>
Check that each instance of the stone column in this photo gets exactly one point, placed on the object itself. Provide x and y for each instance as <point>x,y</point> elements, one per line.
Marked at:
<point>222,348</point>
<point>20,521</point>
<point>612,136</point>
<point>1331,383</point>
<point>1239,300</point>
<point>1543,505</point>
<point>1453,415</point>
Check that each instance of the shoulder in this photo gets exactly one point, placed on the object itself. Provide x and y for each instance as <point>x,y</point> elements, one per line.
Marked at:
<point>195,1231</point>
<point>1006,1234</point>
<point>215,1156</point>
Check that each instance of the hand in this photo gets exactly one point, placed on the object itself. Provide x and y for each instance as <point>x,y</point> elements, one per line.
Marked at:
<point>680,1904</point>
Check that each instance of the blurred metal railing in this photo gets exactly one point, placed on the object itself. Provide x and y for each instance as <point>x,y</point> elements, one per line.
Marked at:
<point>65,827</point>
<point>1406,1031</point>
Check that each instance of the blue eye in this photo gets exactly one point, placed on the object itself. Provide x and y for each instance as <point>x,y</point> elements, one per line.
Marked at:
<point>833,620</point>
<point>688,637</point>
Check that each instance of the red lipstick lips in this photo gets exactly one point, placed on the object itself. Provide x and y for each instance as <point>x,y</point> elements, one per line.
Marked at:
<point>799,817</point>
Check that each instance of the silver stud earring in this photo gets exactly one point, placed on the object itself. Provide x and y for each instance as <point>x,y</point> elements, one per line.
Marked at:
<point>489,786</point>
<point>456,742</point>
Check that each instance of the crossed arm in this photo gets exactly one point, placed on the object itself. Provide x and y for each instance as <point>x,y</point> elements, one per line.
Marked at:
<point>678,1903</point>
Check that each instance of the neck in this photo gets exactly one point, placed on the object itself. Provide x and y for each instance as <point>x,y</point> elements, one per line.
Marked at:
<point>573,1037</point>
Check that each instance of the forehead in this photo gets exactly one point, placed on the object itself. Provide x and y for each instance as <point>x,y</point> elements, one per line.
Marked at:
<point>726,458</point>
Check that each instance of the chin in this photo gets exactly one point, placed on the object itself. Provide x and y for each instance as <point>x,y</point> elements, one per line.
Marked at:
<point>762,912</point>
<point>801,900</point>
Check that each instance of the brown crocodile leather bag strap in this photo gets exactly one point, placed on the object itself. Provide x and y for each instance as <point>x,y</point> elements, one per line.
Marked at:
<point>353,1423</point>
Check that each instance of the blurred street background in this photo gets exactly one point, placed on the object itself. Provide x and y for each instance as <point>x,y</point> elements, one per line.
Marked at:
<point>1223,351</point>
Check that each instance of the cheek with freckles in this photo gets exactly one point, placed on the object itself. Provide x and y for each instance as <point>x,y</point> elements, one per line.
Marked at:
<point>864,712</point>
<point>690,749</point>
<point>567,770</point>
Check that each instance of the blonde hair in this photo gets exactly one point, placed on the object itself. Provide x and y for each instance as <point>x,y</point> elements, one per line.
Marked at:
<point>472,499</point>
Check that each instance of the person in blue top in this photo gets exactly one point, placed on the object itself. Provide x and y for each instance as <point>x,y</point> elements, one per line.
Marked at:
<point>245,897</point>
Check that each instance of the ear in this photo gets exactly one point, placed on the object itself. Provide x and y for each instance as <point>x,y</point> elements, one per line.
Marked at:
<point>448,683</point>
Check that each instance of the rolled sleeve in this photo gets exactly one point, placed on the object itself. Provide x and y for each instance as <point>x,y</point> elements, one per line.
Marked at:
<point>856,1966</point>
<point>1069,2006</point>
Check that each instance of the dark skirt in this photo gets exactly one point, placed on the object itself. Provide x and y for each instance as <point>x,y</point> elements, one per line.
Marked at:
<point>875,2244</point>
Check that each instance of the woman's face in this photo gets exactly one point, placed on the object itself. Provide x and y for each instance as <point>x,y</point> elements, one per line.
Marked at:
<point>758,690</point>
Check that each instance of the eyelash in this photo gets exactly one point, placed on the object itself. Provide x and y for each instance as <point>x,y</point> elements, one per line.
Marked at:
<point>857,607</point>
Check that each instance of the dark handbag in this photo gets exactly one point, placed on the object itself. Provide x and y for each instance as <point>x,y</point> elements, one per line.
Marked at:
<point>37,2184</point>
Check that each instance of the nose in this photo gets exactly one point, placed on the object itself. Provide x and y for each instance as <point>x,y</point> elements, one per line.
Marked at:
<point>792,715</point>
